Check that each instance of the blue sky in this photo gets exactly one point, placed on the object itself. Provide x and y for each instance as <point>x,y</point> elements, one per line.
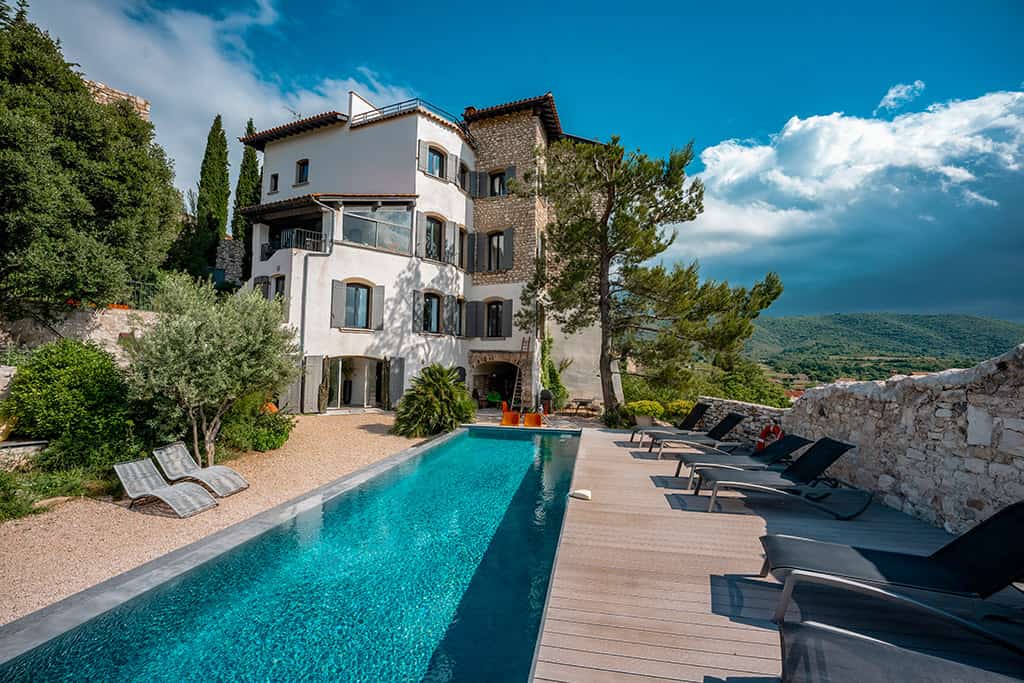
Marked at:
<point>873,156</point>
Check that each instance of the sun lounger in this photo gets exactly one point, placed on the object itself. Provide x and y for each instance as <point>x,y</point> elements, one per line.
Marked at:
<point>713,437</point>
<point>773,453</point>
<point>686,426</point>
<point>798,481</point>
<point>177,464</point>
<point>979,562</point>
<point>848,632</point>
<point>141,480</point>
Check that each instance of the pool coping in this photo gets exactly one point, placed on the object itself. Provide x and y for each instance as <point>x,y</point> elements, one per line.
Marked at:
<point>36,628</point>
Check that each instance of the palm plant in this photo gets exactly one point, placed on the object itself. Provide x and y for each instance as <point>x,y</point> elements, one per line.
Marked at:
<point>436,402</point>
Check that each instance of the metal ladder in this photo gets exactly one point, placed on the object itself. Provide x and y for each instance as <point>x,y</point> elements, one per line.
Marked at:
<point>517,389</point>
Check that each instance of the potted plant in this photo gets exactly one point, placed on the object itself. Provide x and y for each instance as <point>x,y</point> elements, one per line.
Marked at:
<point>644,413</point>
<point>348,369</point>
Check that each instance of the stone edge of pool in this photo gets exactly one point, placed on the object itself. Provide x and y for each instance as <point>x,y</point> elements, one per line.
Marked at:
<point>35,629</point>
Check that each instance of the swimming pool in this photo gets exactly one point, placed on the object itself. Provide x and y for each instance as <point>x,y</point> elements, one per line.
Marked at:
<point>435,570</point>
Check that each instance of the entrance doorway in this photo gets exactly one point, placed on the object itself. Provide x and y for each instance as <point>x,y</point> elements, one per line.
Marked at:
<point>496,378</point>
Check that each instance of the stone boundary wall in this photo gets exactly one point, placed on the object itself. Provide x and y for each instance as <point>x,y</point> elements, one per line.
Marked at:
<point>947,447</point>
<point>104,94</point>
<point>104,326</point>
<point>758,417</point>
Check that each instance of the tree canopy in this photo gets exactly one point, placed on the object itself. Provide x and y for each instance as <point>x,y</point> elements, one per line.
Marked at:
<point>88,200</point>
<point>613,214</point>
<point>247,193</point>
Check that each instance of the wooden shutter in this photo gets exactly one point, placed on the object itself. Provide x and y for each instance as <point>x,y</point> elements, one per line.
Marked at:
<point>421,234</point>
<point>449,314</point>
<point>508,255</point>
<point>311,384</point>
<point>377,308</point>
<point>483,180</point>
<point>506,318</point>
<point>453,168</point>
<point>471,252</point>
<point>417,311</point>
<point>424,154</point>
<point>451,236</point>
<point>337,303</point>
<point>396,380</point>
<point>481,253</point>
<point>474,311</point>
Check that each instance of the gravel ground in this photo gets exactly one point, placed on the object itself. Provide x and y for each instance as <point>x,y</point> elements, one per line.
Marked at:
<point>49,556</point>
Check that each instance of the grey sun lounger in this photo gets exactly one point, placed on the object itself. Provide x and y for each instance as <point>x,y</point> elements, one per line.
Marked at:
<point>177,464</point>
<point>798,481</point>
<point>848,632</point>
<point>979,562</point>
<point>141,480</point>
<point>773,453</point>
<point>714,437</point>
<point>686,426</point>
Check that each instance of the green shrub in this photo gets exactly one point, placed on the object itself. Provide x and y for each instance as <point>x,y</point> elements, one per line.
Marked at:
<point>13,501</point>
<point>74,395</point>
<point>652,408</point>
<point>617,417</point>
<point>247,428</point>
<point>551,376</point>
<point>676,410</point>
<point>436,402</point>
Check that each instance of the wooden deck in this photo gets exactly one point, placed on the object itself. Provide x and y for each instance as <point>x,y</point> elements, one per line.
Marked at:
<point>648,586</point>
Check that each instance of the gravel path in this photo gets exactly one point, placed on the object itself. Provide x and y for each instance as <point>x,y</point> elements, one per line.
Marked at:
<point>47,557</point>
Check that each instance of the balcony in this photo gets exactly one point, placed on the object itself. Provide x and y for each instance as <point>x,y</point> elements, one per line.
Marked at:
<point>393,110</point>
<point>295,238</point>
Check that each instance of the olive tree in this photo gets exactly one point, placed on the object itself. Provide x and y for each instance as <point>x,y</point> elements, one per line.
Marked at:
<point>205,351</point>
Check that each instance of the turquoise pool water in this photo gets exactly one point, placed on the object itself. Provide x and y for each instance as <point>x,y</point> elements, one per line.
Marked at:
<point>436,570</point>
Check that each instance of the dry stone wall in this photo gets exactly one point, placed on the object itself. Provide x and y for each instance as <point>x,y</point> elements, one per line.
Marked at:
<point>106,327</point>
<point>104,94</point>
<point>758,417</point>
<point>946,447</point>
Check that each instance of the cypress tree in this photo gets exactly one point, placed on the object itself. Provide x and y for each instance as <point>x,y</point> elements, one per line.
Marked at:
<point>214,187</point>
<point>247,193</point>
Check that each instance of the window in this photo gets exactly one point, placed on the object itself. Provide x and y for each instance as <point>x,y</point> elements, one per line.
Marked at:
<point>498,184</point>
<point>434,239</point>
<point>436,162</point>
<point>387,227</point>
<point>495,250</point>
<point>301,171</point>
<point>464,177</point>
<point>494,319</point>
<point>273,182</point>
<point>460,305</point>
<point>278,287</point>
<point>431,313</point>
<point>357,306</point>
<point>460,249</point>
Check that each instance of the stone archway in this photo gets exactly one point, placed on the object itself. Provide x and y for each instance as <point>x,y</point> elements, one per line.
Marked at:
<point>497,369</point>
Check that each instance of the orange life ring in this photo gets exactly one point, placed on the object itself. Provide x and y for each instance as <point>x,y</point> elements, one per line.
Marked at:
<point>769,434</point>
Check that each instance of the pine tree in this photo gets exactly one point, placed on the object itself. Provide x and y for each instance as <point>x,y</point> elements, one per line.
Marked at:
<point>247,193</point>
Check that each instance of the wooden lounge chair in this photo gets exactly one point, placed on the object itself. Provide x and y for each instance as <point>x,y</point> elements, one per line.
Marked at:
<point>979,562</point>
<point>799,481</point>
<point>773,453</point>
<point>178,465</point>
<point>684,427</point>
<point>141,480</point>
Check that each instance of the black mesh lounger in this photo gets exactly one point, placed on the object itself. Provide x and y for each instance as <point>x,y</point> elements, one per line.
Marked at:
<point>713,437</point>
<point>758,460</point>
<point>141,480</point>
<point>795,481</point>
<point>686,426</point>
<point>979,562</point>
<point>177,464</point>
<point>848,632</point>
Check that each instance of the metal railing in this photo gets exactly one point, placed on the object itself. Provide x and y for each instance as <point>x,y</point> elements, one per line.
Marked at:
<point>140,294</point>
<point>296,238</point>
<point>406,106</point>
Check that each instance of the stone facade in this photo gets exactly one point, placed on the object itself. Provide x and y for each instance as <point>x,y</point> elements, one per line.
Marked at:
<point>946,447</point>
<point>106,327</point>
<point>230,253</point>
<point>478,358</point>
<point>758,417</point>
<point>104,94</point>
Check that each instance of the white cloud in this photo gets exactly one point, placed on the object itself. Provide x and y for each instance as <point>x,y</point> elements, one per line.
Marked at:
<point>191,66</point>
<point>899,94</point>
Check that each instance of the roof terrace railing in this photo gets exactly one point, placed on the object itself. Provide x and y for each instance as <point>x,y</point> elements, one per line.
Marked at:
<point>407,106</point>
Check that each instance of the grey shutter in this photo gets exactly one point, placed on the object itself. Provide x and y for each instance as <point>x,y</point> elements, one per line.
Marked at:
<point>453,168</point>
<point>506,318</point>
<point>508,255</point>
<point>471,252</point>
<point>481,253</point>
<point>396,380</point>
<point>424,154</point>
<point>417,311</point>
<point>482,181</point>
<point>311,384</point>
<point>449,314</point>
<point>421,234</point>
<point>473,310</point>
<point>451,234</point>
<point>377,308</point>
<point>291,400</point>
<point>481,319</point>
<point>510,174</point>
<point>337,303</point>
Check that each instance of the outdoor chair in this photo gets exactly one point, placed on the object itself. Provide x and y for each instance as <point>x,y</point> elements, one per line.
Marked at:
<point>685,426</point>
<point>848,632</point>
<point>141,480</point>
<point>772,454</point>
<point>509,418</point>
<point>979,562</point>
<point>799,481</point>
<point>713,437</point>
<point>532,420</point>
<point>177,464</point>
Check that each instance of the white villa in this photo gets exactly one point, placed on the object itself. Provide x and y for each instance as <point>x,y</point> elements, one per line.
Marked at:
<point>395,244</point>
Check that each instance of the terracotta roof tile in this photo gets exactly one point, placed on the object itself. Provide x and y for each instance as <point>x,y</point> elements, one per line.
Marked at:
<point>260,139</point>
<point>543,104</point>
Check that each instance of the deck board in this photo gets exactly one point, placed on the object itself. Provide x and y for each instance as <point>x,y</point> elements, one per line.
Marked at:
<point>648,586</point>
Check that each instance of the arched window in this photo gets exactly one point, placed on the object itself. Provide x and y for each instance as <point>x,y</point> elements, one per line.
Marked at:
<point>435,162</point>
<point>357,306</point>
<point>462,373</point>
<point>494,316</point>
<point>434,240</point>
<point>464,177</point>
<point>431,313</point>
